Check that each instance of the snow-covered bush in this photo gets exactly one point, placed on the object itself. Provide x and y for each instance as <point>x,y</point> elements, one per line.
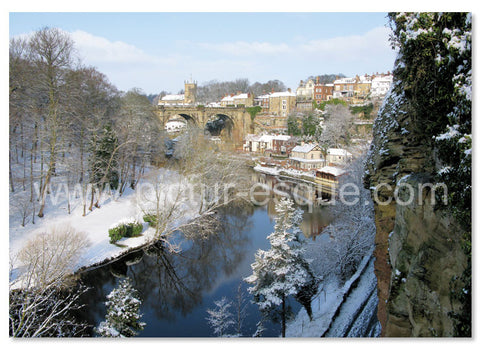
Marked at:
<point>151,219</point>
<point>123,312</point>
<point>126,228</point>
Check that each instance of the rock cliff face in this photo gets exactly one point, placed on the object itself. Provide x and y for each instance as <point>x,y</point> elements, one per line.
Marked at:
<point>418,170</point>
<point>417,246</point>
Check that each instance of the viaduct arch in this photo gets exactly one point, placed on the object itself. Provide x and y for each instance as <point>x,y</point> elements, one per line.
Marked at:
<point>236,119</point>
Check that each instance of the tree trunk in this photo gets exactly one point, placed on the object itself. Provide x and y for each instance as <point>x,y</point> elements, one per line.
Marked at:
<point>43,193</point>
<point>10,176</point>
<point>283,316</point>
<point>92,198</point>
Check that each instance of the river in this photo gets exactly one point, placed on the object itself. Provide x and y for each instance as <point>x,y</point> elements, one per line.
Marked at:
<point>177,288</point>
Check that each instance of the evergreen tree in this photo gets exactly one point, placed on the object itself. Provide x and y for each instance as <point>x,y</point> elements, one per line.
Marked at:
<point>123,312</point>
<point>310,124</point>
<point>220,318</point>
<point>103,162</point>
<point>282,271</point>
<point>292,125</point>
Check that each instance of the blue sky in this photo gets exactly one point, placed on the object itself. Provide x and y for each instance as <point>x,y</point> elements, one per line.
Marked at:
<point>158,51</point>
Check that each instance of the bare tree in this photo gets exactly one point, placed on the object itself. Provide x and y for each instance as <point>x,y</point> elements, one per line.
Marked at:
<point>338,121</point>
<point>51,256</point>
<point>138,125</point>
<point>45,312</point>
<point>52,52</point>
<point>43,297</point>
<point>22,205</point>
<point>352,231</point>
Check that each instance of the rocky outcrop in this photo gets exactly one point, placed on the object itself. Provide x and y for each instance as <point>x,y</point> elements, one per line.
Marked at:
<point>417,242</point>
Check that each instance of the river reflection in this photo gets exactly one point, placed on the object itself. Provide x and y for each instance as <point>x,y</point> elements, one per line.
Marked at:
<point>178,288</point>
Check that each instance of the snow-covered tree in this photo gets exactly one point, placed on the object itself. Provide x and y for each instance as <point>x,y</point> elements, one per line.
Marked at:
<point>351,232</point>
<point>220,318</point>
<point>123,312</point>
<point>282,271</point>
<point>338,121</point>
<point>240,310</point>
<point>260,328</point>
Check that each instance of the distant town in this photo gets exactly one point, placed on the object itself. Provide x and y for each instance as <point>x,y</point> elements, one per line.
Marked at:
<point>272,141</point>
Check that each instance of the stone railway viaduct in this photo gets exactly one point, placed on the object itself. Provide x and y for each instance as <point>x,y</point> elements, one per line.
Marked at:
<point>237,118</point>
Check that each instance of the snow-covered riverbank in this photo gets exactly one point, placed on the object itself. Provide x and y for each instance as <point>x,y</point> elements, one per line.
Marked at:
<point>348,311</point>
<point>96,224</point>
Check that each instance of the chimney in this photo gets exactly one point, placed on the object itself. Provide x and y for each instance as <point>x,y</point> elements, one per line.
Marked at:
<point>289,90</point>
<point>318,79</point>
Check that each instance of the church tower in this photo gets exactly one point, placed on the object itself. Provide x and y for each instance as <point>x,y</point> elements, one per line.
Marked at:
<point>190,91</point>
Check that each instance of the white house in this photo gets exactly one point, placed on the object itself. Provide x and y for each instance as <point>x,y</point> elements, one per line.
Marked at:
<point>305,90</point>
<point>306,157</point>
<point>260,143</point>
<point>172,100</point>
<point>227,100</point>
<point>338,156</point>
<point>381,85</point>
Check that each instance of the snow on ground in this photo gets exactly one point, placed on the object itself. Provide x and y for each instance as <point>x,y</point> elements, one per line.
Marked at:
<point>274,171</point>
<point>96,224</point>
<point>354,317</point>
<point>330,299</point>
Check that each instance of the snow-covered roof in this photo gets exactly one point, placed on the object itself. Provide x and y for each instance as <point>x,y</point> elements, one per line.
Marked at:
<point>332,170</point>
<point>365,79</point>
<point>264,96</point>
<point>338,152</point>
<point>252,137</point>
<point>241,96</point>
<point>306,148</point>
<point>173,98</point>
<point>386,78</point>
<point>268,138</point>
<point>283,94</point>
<point>227,99</point>
<point>307,160</point>
<point>282,137</point>
<point>345,81</point>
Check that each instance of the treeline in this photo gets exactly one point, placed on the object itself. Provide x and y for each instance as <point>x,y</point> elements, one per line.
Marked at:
<point>67,120</point>
<point>214,91</point>
<point>325,78</point>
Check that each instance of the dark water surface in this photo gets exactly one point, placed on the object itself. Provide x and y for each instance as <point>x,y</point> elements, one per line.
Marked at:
<point>178,288</point>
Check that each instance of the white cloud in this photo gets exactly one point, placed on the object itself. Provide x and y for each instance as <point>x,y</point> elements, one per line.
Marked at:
<point>342,47</point>
<point>241,48</point>
<point>353,46</point>
<point>97,49</point>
